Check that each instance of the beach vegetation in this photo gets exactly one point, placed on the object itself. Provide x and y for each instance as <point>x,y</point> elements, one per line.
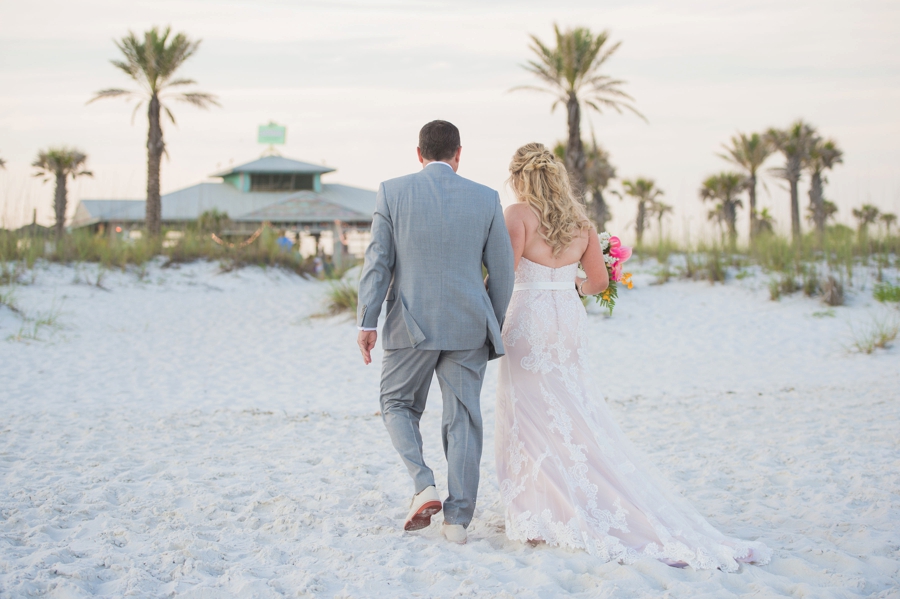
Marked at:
<point>879,333</point>
<point>886,292</point>
<point>865,215</point>
<point>152,61</point>
<point>111,251</point>
<point>59,165</point>
<point>832,291</point>
<point>660,210</point>
<point>646,193</point>
<point>723,189</point>
<point>572,73</point>
<point>32,325</point>
<point>8,300</point>
<point>749,152</point>
<point>598,173</point>
<point>342,296</point>
<point>795,144</point>
<point>823,155</point>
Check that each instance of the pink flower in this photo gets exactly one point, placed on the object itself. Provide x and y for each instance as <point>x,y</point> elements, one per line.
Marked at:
<point>616,270</point>
<point>617,250</point>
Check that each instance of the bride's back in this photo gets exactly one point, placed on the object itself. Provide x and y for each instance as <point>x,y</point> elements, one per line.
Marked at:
<point>548,225</point>
<point>536,247</point>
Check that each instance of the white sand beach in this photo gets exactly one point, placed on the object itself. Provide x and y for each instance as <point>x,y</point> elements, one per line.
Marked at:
<point>196,434</point>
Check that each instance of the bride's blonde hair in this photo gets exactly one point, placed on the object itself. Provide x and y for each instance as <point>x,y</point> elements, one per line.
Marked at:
<point>540,180</point>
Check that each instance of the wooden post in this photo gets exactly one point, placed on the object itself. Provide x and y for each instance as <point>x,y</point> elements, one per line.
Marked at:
<point>338,254</point>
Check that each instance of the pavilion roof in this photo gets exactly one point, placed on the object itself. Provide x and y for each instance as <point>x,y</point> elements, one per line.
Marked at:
<point>276,164</point>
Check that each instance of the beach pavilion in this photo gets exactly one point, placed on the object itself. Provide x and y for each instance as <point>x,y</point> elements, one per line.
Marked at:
<point>287,193</point>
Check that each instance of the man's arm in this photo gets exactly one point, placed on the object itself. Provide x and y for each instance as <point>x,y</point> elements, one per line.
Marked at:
<point>498,259</point>
<point>376,275</point>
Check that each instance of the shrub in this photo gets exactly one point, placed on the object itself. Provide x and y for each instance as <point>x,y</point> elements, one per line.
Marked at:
<point>832,292</point>
<point>879,333</point>
<point>811,285</point>
<point>342,296</point>
<point>885,292</point>
<point>715,266</point>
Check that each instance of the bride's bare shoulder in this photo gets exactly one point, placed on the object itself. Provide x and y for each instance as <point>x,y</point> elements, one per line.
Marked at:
<point>520,212</point>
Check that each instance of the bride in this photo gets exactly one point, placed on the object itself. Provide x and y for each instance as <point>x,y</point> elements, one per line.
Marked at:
<point>568,474</point>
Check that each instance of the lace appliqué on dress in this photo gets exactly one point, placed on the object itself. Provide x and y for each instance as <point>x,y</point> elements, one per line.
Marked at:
<point>568,475</point>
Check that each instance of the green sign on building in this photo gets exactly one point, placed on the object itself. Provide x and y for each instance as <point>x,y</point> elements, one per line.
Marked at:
<point>272,134</point>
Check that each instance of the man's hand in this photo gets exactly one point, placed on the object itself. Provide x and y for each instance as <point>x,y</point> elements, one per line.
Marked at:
<point>366,341</point>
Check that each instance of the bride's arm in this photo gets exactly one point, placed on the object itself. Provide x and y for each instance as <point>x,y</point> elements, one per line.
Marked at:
<point>594,267</point>
<point>515,224</point>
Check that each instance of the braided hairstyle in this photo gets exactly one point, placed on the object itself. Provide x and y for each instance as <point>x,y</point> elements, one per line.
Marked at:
<point>539,179</point>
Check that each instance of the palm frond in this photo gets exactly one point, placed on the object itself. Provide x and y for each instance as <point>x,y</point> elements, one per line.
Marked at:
<point>198,99</point>
<point>60,161</point>
<point>135,111</point>
<point>169,113</point>
<point>178,82</point>
<point>111,93</point>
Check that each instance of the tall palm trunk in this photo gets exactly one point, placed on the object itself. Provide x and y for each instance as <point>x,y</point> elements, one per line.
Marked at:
<point>751,191</point>
<point>731,220</point>
<point>575,160</point>
<point>815,201</point>
<point>155,148</point>
<point>639,223</point>
<point>59,203</point>
<point>794,178</point>
<point>795,211</point>
<point>599,208</point>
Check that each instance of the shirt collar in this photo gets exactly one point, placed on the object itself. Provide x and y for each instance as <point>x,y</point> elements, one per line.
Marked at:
<point>439,162</point>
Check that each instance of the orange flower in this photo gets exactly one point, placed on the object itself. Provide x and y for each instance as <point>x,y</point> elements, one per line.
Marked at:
<point>626,278</point>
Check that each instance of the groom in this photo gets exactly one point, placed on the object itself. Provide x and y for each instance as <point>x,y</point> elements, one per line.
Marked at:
<point>431,234</point>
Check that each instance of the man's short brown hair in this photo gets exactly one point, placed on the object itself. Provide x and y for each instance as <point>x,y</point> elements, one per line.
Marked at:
<point>439,140</point>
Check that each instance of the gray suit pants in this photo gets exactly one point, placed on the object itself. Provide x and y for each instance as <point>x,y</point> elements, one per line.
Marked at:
<point>405,378</point>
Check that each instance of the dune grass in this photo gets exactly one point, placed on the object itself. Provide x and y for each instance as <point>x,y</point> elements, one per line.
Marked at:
<point>817,268</point>
<point>341,297</point>
<point>886,292</point>
<point>879,333</point>
<point>18,253</point>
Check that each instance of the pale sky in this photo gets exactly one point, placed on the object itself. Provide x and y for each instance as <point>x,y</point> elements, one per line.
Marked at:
<point>354,81</point>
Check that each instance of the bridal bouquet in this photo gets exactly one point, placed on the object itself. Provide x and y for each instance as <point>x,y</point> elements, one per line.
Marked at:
<point>614,254</point>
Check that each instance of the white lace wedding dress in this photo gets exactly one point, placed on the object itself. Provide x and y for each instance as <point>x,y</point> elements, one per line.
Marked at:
<point>568,474</point>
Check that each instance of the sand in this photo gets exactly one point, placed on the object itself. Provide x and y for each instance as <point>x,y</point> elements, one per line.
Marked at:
<point>196,434</point>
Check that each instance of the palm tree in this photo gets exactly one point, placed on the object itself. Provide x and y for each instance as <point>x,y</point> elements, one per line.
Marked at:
<point>645,192</point>
<point>598,173</point>
<point>765,222</point>
<point>865,215</point>
<point>570,72</point>
<point>59,164</point>
<point>724,189</point>
<point>829,210</point>
<point>888,218</point>
<point>660,210</point>
<point>749,152</point>
<point>152,63</point>
<point>822,155</point>
<point>794,143</point>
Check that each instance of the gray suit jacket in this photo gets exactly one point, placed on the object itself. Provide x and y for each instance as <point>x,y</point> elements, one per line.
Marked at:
<point>431,233</point>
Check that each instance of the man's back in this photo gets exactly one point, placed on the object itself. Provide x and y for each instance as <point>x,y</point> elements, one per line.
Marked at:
<point>442,228</point>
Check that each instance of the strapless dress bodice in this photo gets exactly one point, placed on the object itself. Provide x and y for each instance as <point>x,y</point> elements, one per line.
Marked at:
<point>532,272</point>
